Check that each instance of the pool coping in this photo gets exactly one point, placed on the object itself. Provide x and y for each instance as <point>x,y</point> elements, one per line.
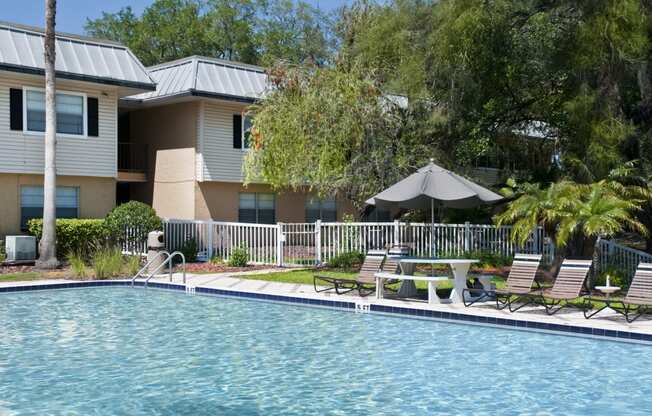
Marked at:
<point>363,307</point>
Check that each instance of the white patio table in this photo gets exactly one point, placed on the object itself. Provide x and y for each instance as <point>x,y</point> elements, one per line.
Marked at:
<point>460,268</point>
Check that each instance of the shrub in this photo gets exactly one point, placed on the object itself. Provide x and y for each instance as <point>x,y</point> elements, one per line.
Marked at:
<point>239,257</point>
<point>131,265</point>
<point>3,254</point>
<point>217,260</point>
<point>134,216</point>
<point>107,262</point>
<point>77,264</point>
<point>349,260</point>
<point>80,236</point>
<point>189,250</point>
<point>617,277</point>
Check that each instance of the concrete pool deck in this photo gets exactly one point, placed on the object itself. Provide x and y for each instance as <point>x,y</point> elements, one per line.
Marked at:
<point>607,324</point>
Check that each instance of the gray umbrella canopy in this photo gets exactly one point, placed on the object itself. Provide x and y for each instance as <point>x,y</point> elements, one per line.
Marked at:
<point>434,183</point>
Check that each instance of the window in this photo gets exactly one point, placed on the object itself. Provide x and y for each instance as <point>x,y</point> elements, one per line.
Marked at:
<point>31,203</point>
<point>324,209</point>
<point>257,208</point>
<point>70,112</point>
<point>374,214</point>
<point>247,123</point>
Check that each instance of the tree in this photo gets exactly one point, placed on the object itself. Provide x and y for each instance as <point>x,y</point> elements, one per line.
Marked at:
<point>333,132</point>
<point>293,32</point>
<point>232,26</point>
<point>167,30</point>
<point>575,215</point>
<point>48,243</point>
<point>249,31</point>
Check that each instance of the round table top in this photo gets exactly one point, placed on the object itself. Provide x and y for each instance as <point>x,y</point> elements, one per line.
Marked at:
<point>437,260</point>
<point>608,289</point>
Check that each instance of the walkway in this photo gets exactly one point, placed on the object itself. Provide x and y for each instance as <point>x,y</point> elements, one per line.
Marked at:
<point>607,320</point>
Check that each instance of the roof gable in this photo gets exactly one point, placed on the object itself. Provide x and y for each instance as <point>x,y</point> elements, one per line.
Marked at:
<point>207,77</point>
<point>78,58</point>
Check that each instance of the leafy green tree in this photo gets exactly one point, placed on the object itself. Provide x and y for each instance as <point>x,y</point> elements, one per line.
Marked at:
<point>334,132</point>
<point>294,32</point>
<point>575,215</point>
<point>167,30</point>
<point>250,31</point>
<point>232,27</point>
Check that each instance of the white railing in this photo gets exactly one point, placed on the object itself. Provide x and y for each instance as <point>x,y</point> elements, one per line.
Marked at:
<point>316,243</point>
<point>221,239</point>
<point>626,259</point>
<point>134,242</point>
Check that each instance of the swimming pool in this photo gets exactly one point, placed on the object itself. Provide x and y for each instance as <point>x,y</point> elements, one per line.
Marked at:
<point>131,351</point>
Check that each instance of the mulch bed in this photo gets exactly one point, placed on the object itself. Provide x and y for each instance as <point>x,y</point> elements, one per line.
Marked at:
<point>16,269</point>
<point>222,268</point>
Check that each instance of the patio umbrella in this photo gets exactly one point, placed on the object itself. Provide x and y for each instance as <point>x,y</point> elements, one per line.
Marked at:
<point>433,186</point>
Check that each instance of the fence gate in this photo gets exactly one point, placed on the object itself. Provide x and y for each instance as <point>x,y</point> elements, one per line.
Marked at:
<point>300,244</point>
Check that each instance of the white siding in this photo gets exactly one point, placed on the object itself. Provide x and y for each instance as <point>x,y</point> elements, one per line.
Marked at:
<point>83,156</point>
<point>221,162</point>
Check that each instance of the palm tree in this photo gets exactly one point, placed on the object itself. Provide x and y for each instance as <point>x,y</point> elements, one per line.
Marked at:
<point>576,215</point>
<point>47,245</point>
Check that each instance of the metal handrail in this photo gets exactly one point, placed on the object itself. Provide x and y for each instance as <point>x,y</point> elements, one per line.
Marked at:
<point>149,262</point>
<point>169,260</point>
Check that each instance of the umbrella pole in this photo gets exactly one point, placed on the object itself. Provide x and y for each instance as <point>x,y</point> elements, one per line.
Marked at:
<point>432,227</point>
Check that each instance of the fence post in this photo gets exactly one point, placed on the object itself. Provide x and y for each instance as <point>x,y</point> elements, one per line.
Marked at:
<point>318,242</point>
<point>467,236</point>
<point>397,233</point>
<point>279,244</point>
<point>209,249</point>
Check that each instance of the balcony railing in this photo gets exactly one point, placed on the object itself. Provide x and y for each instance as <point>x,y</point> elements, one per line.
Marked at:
<point>132,157</point>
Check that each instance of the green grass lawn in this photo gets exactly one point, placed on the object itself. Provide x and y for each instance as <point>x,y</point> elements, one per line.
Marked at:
<point>20,277</point>
<point>305,276</point>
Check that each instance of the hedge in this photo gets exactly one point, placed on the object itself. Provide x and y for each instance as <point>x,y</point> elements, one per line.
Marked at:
<point>74,235</point>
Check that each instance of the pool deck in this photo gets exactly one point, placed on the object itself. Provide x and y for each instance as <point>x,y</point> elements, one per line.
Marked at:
<point>607,324</point>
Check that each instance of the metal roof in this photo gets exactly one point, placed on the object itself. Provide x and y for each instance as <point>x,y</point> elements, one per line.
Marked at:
<point>206,77</point>
<point>78,58</point>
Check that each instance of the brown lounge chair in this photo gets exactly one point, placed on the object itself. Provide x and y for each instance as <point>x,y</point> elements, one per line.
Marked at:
<point>365,282</point>
<point>569,285</point>
<point>518,286</point>
<point>367,285</point>
<point>638,300</point>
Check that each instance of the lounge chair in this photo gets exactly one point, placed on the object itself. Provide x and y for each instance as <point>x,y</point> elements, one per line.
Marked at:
<point>638,300</point>
<point>367,285</point>
<point>370,266</point>
<point>569,285</point>
<point>517,288</point>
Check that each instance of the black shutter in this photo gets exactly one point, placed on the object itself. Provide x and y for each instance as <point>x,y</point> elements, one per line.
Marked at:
<point>93,122</point>
<point>237,131</point>
<point>16,109</point>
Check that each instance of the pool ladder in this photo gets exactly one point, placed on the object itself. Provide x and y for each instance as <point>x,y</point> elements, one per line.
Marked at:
<point>168,261</point>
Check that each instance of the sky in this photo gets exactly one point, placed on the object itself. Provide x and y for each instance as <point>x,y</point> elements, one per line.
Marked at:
<point>72,14</point>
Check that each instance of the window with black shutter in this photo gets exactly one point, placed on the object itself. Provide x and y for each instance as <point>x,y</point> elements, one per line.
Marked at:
<point>237,131</point>
<point>93,117</point>
<point>16,109</point>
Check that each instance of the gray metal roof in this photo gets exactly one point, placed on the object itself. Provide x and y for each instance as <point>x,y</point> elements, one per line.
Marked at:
<point>79,58</point>
<point>207,77</point>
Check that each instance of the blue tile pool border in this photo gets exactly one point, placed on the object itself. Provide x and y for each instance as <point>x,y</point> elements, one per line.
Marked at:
<point>445,316</point>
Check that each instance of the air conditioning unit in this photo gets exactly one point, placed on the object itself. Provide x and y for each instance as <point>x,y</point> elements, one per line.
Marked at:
<point>20,247</point>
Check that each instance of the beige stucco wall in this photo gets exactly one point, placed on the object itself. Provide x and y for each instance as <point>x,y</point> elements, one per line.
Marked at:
<point>219,201</point>
<point>96,197</point>
<point>170,133</point>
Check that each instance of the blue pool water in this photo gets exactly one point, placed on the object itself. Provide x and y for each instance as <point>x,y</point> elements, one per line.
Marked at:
<point>124,351</point>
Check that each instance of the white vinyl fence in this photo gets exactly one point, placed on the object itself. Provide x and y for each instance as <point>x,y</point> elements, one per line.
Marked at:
<point>614,255</point>
<point>317,243</point>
